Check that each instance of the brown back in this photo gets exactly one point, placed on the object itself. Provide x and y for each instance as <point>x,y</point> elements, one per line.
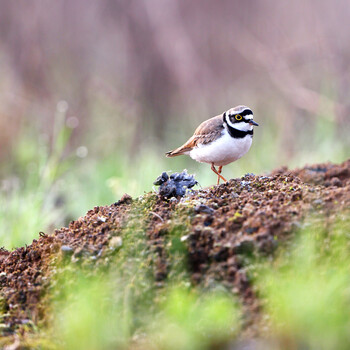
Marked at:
<point>206,132</point>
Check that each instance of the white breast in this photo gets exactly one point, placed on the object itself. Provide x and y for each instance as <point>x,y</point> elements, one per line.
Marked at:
<point>222,151</point>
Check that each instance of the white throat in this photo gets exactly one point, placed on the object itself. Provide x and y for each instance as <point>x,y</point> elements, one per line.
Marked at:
<point>242,126</point>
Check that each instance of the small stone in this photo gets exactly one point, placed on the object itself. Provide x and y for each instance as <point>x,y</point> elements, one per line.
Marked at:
<point>251,230</point>
<point>318,202</point>
<point>336,182</point>
<point>126,199</point>
<point>203,209</point>
<point>116,242</point>
<point>67,250</point>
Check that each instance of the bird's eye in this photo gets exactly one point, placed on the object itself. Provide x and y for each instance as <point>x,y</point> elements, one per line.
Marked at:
<point>238,117</point>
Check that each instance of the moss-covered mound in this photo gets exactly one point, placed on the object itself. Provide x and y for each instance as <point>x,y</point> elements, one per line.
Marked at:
<point>209,237</point>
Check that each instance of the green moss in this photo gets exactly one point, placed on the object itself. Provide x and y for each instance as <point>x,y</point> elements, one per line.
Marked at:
<point>176,245</point>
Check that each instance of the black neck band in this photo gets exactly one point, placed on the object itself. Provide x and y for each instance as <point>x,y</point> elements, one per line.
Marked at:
<point>238,134</point>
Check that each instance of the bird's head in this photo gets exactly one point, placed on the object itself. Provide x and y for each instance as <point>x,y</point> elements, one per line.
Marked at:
<point>240,118</point>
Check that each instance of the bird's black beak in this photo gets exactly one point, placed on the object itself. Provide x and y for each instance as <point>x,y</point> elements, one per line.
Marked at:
<point>252,122</point>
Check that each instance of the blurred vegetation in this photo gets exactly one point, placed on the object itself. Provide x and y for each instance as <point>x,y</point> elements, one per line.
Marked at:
<point>306,290</point>
<point>184,319</point>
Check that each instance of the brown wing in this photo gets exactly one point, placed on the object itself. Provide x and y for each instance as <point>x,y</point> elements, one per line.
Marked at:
<point>206,132</point>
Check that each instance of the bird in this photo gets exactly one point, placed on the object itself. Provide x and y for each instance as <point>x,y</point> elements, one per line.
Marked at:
<point>220,140</point>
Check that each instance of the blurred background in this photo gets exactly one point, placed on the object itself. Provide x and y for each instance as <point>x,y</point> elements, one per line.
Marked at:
<point>93,93</point>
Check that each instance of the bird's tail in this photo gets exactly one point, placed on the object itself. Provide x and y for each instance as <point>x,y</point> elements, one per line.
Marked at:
<point>172,153</point>
<point>177,152</point>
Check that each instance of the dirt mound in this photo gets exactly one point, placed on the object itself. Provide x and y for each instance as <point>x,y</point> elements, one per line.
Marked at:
<point>221,227</point>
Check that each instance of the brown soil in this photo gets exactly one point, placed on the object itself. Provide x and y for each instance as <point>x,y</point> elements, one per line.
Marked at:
<point>225,226</point>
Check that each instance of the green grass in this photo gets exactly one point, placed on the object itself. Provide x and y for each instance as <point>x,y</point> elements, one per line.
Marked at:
<point>30,196</point>
<point>307,290</point>
<point>190,320</point>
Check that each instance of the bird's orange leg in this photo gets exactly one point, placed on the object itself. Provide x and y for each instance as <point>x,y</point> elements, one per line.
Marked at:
<point>218,173</point>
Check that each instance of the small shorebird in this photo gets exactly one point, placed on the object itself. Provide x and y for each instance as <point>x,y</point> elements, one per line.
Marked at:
<point>220,140</point>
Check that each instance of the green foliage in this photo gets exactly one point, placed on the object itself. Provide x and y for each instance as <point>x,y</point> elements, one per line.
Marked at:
<point>30,197</point>
<point>190,320</point>
<point>91,316</point>
<point>307,290</point>
<point>177,249</point>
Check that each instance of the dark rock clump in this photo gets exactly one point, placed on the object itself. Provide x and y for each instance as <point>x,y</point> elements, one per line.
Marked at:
<point>175,185</point>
